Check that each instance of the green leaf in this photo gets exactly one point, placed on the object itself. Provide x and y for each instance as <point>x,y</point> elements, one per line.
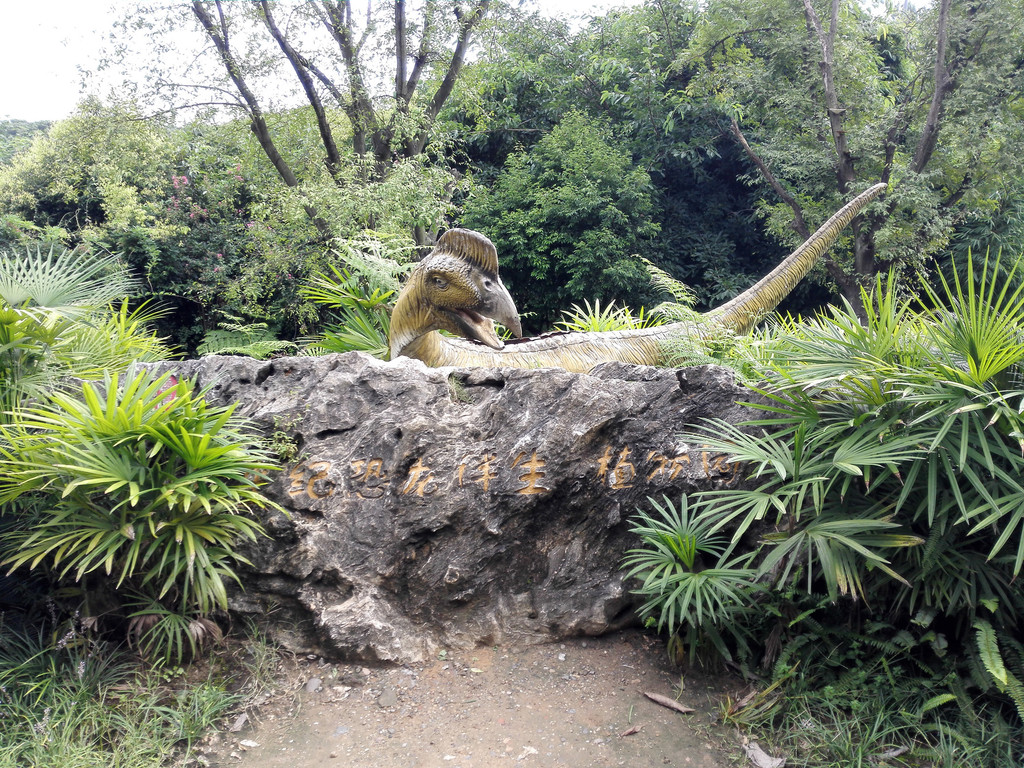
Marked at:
<point>988,648</point>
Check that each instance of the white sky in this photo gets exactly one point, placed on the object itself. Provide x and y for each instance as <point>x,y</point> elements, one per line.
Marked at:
<point>43,43</point>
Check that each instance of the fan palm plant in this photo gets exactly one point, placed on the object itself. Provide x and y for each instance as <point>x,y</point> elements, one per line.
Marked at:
<point>139,482</point>
<point>886,466</point>
<point>690,582</point>
<point>58,318</point>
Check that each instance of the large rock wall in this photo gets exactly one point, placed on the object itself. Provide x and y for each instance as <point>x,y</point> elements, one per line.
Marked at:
<point>453,507</point>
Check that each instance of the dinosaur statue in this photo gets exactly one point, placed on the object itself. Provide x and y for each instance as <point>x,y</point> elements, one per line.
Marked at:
<point>456,288</point>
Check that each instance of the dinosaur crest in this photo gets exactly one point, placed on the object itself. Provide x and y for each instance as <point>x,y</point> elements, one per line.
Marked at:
<point>471,247</point>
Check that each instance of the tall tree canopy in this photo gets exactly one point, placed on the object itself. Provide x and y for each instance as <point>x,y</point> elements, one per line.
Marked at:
<point>744,124</point>
<point>373,81</point>
<point>826,97</point>
<point>431,47</point>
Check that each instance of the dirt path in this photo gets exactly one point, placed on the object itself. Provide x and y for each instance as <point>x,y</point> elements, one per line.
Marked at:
<point>570,704</point>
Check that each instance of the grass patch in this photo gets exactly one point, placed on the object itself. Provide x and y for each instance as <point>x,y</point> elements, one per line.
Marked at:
<point>71,702</point>
<point>817,730</point>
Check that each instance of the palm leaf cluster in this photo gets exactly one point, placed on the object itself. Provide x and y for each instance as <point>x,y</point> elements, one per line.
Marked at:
<point>138,485</point>
<point>608,318</point>
<point>885,483</point>
<point>65,313</point>
<point>688,576</point>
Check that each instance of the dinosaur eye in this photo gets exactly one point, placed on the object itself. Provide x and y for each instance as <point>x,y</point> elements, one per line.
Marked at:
<point>439,282</point>
<point>488,284</point>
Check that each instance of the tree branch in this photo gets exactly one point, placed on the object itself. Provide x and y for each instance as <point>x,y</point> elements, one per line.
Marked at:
<point>180,107</point>
<point>257,123</point>
<point>465,35</point>
<point>400,41</point>
<point>301,66</point>
<point>360,110</point>
<point>709,54</point>
<point>827,42</point>
<point>846,283</point>
<point>798,215</point>
<point>467,23</point>
<point>943,85</point>
<point>422,54</point>
<point>233,95</point>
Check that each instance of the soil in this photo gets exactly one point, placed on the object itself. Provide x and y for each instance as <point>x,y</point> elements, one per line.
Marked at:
<point>577,703</point>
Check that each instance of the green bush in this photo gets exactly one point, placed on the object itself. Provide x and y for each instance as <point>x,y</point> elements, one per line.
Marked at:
<point>884,508</point>
<point>568,218</point>
<point>137,486</point>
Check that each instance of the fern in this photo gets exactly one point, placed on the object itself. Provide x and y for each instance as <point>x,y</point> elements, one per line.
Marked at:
<point>992,658</point>
<point>683,298</point>
<point>235,337</point>
<point>789,651</point>
<point>988,648</point>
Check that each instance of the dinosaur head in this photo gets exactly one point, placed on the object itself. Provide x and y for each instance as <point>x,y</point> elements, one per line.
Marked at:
<point>456,288</point>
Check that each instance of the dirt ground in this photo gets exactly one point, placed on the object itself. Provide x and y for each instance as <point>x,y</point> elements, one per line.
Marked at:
<point>577,703</point>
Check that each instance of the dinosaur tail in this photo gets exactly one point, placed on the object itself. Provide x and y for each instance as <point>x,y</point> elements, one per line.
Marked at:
<point>743,312</point>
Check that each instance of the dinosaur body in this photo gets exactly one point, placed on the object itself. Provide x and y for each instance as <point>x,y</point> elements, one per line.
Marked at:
<point>456,288</point>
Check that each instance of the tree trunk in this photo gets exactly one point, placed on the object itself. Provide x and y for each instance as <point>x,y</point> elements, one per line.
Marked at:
<point>218,34</point>
<point>302,71</point>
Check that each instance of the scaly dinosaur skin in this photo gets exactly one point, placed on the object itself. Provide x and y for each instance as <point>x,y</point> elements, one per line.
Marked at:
<point>456,288</point>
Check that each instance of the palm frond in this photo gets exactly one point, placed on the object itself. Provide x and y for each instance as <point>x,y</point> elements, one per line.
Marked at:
<point>65,281</point>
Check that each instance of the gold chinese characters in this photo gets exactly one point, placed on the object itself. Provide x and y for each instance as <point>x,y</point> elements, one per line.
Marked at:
<point>618,468</point>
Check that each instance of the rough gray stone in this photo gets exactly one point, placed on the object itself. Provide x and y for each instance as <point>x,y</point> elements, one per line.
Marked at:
<point>388,698</point>
<point>435,508</point>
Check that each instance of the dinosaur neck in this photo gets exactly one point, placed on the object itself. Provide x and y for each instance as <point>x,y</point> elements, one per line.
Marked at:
<point>411,322</point>
<point>744,311</point>
<point>578,352</point>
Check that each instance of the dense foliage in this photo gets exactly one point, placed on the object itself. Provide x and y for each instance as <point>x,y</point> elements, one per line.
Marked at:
<point>883,522</point>
<point>570,213</point>
<point>129,487</point>
<point>696,137</point>
<point>63,314</point>
<point>195,213</point>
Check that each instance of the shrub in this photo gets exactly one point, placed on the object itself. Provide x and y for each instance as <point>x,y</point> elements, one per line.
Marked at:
<point>65,313</point>
<point>885,503</point>
<point>139,486</point>
<point>359,296</point>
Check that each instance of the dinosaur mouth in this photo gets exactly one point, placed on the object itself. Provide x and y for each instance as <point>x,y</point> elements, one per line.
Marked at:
<point>478,328</point>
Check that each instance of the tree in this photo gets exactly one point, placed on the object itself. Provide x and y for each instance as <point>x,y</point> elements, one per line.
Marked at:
<point>567,218</point>
<point>17,135</point>
<point>828,98</point>
<point>337,59</point>
<point>375,130</point>
<point>619,68</point>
